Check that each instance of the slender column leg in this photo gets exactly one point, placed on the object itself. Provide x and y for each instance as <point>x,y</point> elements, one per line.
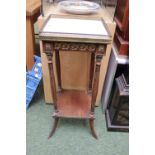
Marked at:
<point>98,58</point>
<point>49,53</point>
<point>53,85</point>
<point>57,55</point>
<point>91,72</point>
<point>56,120</point>
<point>49,50</point>
<point>91,124</point>
<point>95,87</point>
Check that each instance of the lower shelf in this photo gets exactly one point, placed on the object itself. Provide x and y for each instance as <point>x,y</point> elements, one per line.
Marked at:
<point>73,104</point>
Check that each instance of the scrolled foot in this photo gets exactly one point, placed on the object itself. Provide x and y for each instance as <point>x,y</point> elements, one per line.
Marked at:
<point>91,124</point>
<point>56,119</point>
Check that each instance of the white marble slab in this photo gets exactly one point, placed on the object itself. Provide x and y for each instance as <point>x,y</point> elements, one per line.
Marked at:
<point>75,26</point>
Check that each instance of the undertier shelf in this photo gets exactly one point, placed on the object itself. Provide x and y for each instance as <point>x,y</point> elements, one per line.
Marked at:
<point>73,104</point>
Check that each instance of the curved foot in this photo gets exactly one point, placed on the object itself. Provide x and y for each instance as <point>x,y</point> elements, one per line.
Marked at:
<point>91,124</point>
<point>56,119</point>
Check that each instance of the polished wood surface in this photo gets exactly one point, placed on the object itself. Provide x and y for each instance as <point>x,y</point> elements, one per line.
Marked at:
<point>122,14</point>
<point>121,17</point>
<point>32,12</point>
<point>74,104</point>
<point>91,124</point>
<point>91,72</point>
<point>121,44</point>
<point>58,69</point>
<point>56,120</point>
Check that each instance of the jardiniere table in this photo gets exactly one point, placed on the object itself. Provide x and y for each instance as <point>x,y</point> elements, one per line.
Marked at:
<point>63,34</point>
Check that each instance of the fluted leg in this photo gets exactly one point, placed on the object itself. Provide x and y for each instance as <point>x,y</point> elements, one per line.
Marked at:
<point>56,119</point>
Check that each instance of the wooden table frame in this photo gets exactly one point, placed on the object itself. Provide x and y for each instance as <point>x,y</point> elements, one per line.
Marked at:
<point>80,104</point>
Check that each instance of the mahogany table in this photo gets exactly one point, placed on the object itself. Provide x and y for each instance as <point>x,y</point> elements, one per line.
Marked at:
<point>32,12</point>
<point>74,36</point>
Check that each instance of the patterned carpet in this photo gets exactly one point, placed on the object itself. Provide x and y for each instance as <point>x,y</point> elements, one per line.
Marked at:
<point>72,137</point>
